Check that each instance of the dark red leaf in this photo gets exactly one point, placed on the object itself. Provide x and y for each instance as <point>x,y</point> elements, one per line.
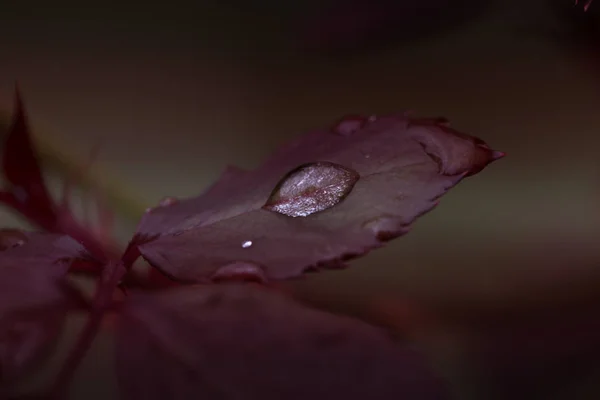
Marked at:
<point>237,341</point>
<point>343,193</point>
<point>33,299</point>
<point>586,4</point>
<point>20,162</point>
<point>38,249</point>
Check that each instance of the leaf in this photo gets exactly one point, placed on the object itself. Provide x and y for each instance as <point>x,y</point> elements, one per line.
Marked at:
<point>37,249</point>
<point>33,298</point>
<point>586,4</point>
<point>402,166</point>
<point>240,341</point>
<point>21,165</point>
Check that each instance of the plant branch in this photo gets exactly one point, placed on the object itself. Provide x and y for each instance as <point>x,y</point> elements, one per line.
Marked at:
<point>103,301</point>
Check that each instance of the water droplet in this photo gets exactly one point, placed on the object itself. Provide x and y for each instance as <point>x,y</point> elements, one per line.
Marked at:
<point>168,201</point>
<point>246,244</point>
<point>372,118</point>
<point>349,124</point>
<point>240,271</point>
<point>385,228</point>
<point>149,209</point>
<point>311,188</point>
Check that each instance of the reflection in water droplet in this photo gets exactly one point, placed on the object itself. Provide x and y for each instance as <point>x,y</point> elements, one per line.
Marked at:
<point>311,188</point>
<point>240,271</point>
<point>349,124</point>
<point>168,201</point>
<point>247,244</point>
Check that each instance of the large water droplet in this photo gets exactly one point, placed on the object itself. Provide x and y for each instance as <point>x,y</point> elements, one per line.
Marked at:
<point>246,244</point>
<point>240,271</point>
<point>311,188</point>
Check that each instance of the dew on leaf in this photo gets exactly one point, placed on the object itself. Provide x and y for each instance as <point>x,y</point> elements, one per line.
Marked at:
<point>247,244</point>
<point>240,271</point>
<point>311,188</point>
<point>385,228</point>
<point>395,159</point>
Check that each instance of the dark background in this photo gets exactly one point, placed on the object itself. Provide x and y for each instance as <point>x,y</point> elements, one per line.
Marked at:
<point>174,92</point>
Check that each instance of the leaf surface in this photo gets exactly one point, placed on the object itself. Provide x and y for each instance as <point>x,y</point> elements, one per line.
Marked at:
<point>240,341</point>
<point>33,298</point>
<point>27,191</point>
<point>324,198</point>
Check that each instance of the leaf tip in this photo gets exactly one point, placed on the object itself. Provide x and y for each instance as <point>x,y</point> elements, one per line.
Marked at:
<point>496,155</point>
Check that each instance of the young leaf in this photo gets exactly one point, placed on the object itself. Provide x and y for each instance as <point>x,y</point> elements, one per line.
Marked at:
<point>322,199</point>
<point>22,169</point>
<point>240,341</point>
<point>33,298</point>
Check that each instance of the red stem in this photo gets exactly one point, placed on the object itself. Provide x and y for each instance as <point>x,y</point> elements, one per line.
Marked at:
<point>103,301</point>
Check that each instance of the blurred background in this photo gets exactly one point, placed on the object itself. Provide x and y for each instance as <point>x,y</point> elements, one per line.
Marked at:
<point>499,286</point>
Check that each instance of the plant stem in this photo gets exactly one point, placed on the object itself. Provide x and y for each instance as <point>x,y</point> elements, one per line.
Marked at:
<point>112,274</point>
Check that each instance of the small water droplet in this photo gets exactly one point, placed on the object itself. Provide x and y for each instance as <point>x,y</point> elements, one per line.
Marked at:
<point>311,188</point>
<point>247,244</point>
<point>385,228</point>
<point>349,124</point>
<point>240,271</point>
<point>168,201</point>
<point>372,118</point>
